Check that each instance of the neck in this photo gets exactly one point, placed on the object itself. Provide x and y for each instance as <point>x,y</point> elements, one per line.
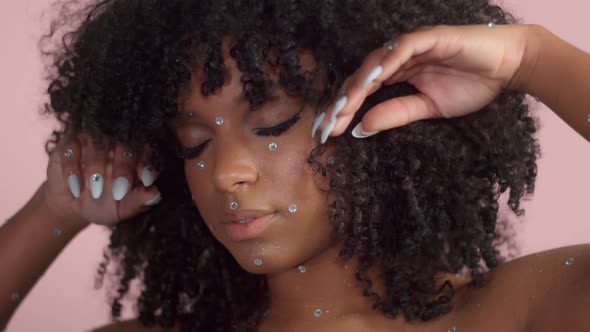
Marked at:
<point>328,284</point>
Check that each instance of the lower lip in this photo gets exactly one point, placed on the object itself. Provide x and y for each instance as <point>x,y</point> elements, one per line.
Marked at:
<point>249,230</point>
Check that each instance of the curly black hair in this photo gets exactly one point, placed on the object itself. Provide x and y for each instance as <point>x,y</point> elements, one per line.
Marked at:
<point>425,195</point>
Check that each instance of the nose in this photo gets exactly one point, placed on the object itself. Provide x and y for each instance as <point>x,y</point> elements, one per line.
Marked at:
<point>235,169</point>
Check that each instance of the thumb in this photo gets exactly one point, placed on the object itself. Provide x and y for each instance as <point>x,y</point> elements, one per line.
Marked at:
<point>398,112</point>
<point>139,200</point>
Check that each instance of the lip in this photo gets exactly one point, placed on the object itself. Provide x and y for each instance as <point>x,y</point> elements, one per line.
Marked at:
<point>238,215</point>
<point>249,230</point>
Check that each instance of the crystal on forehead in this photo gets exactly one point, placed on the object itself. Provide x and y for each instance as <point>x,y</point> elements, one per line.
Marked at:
<point>219,120</point>
<point>272,146</point>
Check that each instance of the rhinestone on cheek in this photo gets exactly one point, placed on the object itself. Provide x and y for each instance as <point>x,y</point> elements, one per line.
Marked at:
<point>68,153</point>
<point>56,231</point>
<point>201,164</point>
<point>258,261</point>
<point>233,205</point>
<point>317,312</point>
<point>452,329</point>
<point>292,208</point>
<point>302,268</point>
<point>569,261</point>
<point>272,146</point>
<point>219,121</point>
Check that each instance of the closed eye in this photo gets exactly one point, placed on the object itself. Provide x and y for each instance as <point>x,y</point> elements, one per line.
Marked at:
<point>193,152</point>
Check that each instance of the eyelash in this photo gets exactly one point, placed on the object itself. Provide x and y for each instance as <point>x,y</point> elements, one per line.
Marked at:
<point>193,152</point>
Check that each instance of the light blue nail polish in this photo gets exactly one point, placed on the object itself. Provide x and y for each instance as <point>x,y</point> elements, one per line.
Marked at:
<point>339,106</point>
<point>359,133</point>
<point>372,75</point>
<point>327,130</point>
<point>316,123</point>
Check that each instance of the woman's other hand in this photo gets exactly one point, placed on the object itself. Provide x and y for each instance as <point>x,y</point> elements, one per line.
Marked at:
<point>98,183</point>
<point>457,69</point>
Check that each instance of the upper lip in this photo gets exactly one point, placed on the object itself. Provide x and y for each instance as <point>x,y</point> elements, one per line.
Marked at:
<point>238,215</point>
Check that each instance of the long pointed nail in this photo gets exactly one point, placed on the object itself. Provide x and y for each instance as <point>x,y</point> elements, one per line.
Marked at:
<point>120,188</point>
<point>148,176</point>
<point>74,185</point>
<point>328,129</point>
<point>96,185</point>
<point>340,103</point>
<point>316,123</point>
<point>359,133</point>
<point>371,76</point>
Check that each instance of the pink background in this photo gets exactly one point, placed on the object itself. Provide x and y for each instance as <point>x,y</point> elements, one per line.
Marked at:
<point>64,299</point>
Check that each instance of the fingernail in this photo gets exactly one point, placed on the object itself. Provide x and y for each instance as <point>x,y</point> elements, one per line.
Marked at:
<point>328,129</point>
<point>96,184</point>
<point>339,106</point>
<point>359,133</point>
<point>154,200</point>
<point>316,123</point>
<point>372,75</point>
<point>148,176</point>
<point>120,188</point>
<point>74,185</point>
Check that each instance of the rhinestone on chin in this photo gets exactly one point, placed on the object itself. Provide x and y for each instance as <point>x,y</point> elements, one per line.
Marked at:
<point>201,164</point>
<point>272,146</point>
<point>569,261</point>
<point>233,205</point>
<point>258,261</point>
<point>302,268</point>
<point>317,312</point>
<point>219,120</point>
<point>69,153</point>
<point>292,208</point>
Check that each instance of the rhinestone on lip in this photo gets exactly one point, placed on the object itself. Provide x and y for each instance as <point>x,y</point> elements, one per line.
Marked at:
<point>272,146</point>
<point>233,205</point>
<point>292,208</point>
<point>68,153</point>
<point>219,120</point>
<point>258,261</point>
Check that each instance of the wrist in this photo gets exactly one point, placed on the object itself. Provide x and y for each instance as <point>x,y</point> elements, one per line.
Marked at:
<point>51,216</point>
<point>534,36</point>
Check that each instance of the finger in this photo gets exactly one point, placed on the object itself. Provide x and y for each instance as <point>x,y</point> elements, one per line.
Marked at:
<point>145,171</point>
<point>397,112</point>
<point>93,164</point>
<point>139,199</point>
<point>124,164</point>
<point>68,153</point>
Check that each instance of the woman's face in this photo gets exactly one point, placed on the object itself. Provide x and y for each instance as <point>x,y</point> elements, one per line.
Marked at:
<point>240,167</point>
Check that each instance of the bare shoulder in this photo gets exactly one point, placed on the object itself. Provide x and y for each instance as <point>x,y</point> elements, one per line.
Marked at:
<point>543,291</point>
<point>134,325</point>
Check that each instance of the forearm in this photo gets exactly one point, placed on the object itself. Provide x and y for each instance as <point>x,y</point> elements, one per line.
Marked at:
<point>558,74</point>
<point>29,242</point>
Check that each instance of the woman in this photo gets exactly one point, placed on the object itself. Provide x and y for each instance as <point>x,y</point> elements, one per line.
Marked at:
<point>187,131</point>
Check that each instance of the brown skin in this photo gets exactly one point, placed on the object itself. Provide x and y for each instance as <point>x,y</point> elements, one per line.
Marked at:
<point>239,167</point>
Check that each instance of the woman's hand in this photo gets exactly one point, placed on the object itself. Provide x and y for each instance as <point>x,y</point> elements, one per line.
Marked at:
<point>72,182</point>
<point>457,69</point>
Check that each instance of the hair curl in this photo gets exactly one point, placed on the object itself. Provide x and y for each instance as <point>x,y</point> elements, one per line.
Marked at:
<point>425,195</point>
